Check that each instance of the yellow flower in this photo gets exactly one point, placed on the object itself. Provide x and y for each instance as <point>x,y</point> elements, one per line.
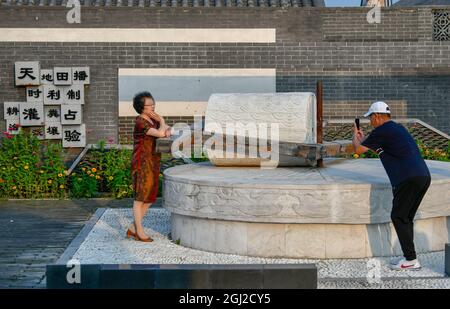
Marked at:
<point>49,181</point>
<point>41,171</point>
<point>83,168</point>
<point>61,186</point>
<point>26,167</point>
<point>110,177</point>
<point>97,177</point>
<point>15,158</point>
<point>88,172</point>
<point>14,187</point>
<point>93,169</point>
<point>356,156</point>
<point>60,175</point>
<point>91,175</point>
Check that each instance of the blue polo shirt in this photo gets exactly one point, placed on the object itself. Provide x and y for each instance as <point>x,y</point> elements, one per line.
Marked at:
<point>398,152</point>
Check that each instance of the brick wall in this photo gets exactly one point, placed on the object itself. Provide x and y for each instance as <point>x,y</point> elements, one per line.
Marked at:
<point>358,62</point>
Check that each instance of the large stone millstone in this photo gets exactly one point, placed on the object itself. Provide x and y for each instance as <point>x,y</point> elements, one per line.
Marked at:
<point>294,112</point>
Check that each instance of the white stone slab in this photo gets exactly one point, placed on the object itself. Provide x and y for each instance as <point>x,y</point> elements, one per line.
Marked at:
<point>13,126</point>
<point>52,113</point>
<point>31,114</point>
<point>81,76</point>
<point>47,76</point>
<point>62,76</point>
<point>35,94</point>
<point>74,136</point>
<point>54,95</point>
<point>27,73</point>
<point>71,114</point>
<point>53,130</point>
<point>74,94</point>
<point>11,111</point>
<point>38,132</point>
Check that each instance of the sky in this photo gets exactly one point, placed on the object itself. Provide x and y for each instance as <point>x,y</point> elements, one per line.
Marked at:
<point>334,3</point>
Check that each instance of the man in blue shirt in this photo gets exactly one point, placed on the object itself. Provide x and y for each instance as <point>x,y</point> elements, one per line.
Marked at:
<point>407,172</point>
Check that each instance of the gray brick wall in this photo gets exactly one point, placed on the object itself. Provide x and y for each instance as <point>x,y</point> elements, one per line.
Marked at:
<point>394,61</point>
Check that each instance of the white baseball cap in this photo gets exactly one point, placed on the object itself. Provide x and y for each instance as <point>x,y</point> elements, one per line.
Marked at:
<point>379,108</point>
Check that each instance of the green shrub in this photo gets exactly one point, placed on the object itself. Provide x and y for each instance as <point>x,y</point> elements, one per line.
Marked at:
<point>30,168</point>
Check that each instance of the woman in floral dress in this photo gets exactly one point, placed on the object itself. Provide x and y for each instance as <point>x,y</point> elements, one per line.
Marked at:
<point>145,162</point>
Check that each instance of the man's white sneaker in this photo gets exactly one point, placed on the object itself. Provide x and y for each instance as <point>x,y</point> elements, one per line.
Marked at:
<point>403,264</point>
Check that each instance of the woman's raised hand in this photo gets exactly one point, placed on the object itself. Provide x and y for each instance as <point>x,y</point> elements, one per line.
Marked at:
<point>155,116</point>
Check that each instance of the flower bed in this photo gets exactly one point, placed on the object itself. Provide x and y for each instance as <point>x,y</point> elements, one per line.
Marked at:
<point>30,168</point>
<point>426,152</point>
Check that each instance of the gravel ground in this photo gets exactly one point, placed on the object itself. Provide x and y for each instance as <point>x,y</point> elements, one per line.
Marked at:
<point>106,244</point>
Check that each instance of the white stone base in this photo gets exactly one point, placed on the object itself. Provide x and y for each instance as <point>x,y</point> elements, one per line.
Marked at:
<point>318,241</point>
<point>340,211</point>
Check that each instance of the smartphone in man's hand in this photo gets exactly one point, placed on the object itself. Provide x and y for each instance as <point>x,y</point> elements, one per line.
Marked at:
<point>357,123</point>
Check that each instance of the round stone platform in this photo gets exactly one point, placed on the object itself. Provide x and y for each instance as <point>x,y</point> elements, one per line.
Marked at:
<point>340,211</point>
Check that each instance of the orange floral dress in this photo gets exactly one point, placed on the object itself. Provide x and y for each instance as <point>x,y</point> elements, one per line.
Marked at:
<point>145,163</point>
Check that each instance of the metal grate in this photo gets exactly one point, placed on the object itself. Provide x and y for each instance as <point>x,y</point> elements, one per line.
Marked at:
<point>441,25</point>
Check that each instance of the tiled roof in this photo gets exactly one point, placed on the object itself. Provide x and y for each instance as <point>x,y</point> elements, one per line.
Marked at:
<point>429,137</point>
<point>171,3</point>
<point>421,2</point>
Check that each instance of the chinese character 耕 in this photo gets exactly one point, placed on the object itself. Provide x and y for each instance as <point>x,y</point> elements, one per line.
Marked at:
<point>12,111</point>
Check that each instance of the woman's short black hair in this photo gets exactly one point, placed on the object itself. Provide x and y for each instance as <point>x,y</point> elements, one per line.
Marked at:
<point>139,100</point>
